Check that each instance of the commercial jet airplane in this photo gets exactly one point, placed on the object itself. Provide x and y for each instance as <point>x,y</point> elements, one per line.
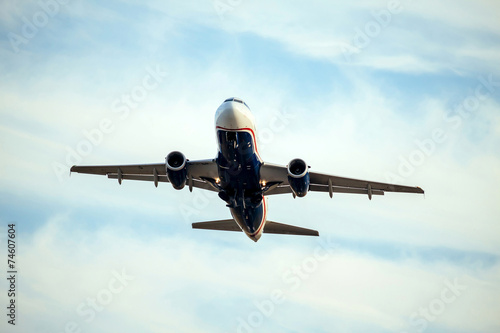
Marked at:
<point>241,178</point>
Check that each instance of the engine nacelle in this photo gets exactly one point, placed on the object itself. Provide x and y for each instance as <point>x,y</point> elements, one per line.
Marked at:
<point>298,177</point>
<point>176,169</point>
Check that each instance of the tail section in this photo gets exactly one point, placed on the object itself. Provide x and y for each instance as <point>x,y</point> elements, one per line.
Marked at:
<point>270,227</point>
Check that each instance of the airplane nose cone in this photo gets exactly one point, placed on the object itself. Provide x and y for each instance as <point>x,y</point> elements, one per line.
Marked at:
<point>232,115</point>
<point>229,117</point>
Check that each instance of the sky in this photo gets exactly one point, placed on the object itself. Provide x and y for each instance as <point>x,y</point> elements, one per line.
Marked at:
<point>396,91</point>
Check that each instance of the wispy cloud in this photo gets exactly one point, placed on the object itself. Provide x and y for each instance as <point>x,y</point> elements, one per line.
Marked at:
<point>357,118</point>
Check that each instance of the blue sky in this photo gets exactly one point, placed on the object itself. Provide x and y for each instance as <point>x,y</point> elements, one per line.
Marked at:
<point>404,91</point>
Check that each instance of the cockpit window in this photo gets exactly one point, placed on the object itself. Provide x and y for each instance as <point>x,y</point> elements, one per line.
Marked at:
<point>233,99</point>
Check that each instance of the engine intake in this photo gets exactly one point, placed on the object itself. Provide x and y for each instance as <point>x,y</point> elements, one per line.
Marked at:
<point>176,169</point>
<point>298,177</point>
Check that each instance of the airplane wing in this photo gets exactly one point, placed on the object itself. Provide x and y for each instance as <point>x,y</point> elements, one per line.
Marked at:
<point>319,182</point>
<point>198,172</point>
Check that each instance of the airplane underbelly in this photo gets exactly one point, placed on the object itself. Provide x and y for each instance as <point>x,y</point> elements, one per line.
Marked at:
<point>237,160</point>
<point>239,178</point>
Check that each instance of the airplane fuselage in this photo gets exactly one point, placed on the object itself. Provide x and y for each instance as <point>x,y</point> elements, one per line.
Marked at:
<point>238,164</point>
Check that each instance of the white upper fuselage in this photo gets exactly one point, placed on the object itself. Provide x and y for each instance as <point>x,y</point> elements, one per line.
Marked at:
<point>234,115</point>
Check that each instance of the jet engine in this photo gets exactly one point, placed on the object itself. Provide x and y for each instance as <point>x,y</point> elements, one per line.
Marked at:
<point>298,177</point>
<point>176,169</point>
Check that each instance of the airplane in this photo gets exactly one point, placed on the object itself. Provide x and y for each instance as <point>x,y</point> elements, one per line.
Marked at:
<point>241,178</point>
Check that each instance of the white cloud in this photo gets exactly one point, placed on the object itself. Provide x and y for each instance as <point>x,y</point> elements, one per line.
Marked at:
<point>407,44</point>
<point>176,283</point>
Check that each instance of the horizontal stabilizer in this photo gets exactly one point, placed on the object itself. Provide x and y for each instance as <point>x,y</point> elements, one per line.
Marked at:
<point>270,227</point>
<point>286,229</point>
<point>228,225</point>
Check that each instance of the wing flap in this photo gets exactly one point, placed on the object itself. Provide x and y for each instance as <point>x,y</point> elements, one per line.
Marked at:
<point>324,183</point>
<point>322,179</point>
<point>197,171</point>
<point>138,177</point>
<point>335,189</point>
<point>282,189</point>
<point>196,183</point>
<point>134,169</point>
